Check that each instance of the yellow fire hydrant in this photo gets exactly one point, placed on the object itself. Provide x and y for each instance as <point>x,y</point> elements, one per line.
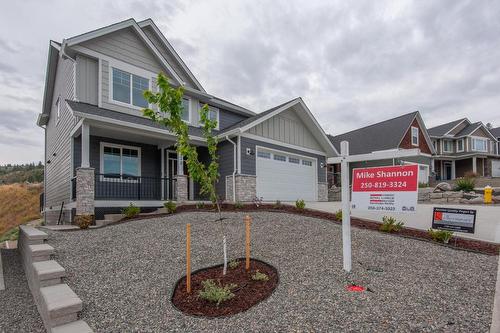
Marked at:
<point>488,193</point>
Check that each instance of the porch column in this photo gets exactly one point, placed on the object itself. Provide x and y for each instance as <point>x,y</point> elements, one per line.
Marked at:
<point>180,164</point>
<point>85,191</point>
<point>181,180</point>
<point>85,146</point>
<point>474,164</point>
<point>453,169</point>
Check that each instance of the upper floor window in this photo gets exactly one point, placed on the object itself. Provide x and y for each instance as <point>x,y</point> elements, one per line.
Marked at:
<point>129,88</point>
<point>414,136</point>
<point>460,145</point>
<point>479,144</point>
<point>213,114</point>
<point>447,146</point>
<point>186,114</point>
<point>434,143</point>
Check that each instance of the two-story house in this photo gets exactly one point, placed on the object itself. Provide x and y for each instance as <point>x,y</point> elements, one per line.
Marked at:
<point>463,147</point>
<point>101,153</point>
<point>495,163</point>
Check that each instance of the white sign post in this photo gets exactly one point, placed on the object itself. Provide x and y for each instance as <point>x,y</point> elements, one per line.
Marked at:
<point>344,160</point>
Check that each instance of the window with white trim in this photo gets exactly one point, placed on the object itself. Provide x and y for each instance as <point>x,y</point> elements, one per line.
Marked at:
<point>460,145</point>
<point>447,146</point>
<point>414,136</point>
<point>186,110</point>
<point>213,114</point>
<point>58,110</point>
<point>434,143</point>
<point>264,154</point>
<point>306,162</point>
<point>129,88</point>
<point>294,160</point>
<point>118,161</point>
<point>280,158</point>
<point>479,144</point>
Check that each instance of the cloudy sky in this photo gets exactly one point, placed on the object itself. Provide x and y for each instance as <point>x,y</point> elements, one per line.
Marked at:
<point>353,62</point>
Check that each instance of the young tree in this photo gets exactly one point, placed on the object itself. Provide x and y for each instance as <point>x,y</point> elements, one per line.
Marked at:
<point>169,113</point>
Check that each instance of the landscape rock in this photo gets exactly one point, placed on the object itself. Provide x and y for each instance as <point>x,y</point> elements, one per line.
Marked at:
<point>463,201</point>
<point>453,194</point>
<point>435,195</point>
<point>442,187</point>
<point>441,200</point>
<point>478,200</point>
<point>471,195</point>
<point>496,199</point>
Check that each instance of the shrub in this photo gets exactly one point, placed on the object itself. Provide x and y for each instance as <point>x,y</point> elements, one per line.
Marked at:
<point>258,276</point>
<point>84,221</point>
<point>389,224</point>
<point>338,215</point>
<point>131,211</point>
<point>11,235</point>
<point>466,184</point>
<point>200,205</point>
<point>423,185</point>
<point>238,205</point>
<point>300,204</point>
<point>277,204</point>
<point>442,236</point>
<point>170,206</point>
<point>234,263</point>
<point>216,293</point>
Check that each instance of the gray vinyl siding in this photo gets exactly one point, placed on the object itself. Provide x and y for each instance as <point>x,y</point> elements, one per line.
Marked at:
<point>248,166</point>
<point>228,118</point>
<point>58,171</point>
<point>125,45</point>
<point>226,165</point>
<point>287,127</point>
<point>86,79</point>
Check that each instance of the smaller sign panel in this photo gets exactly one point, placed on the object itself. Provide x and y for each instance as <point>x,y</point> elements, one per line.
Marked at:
<point>392,189</point>
<point>454,219</point>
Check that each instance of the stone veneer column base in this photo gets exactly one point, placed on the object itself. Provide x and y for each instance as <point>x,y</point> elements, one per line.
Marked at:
<point>85,182</point>
<point>246,187</point>
<point>181,188</point>
<point>322,192</point>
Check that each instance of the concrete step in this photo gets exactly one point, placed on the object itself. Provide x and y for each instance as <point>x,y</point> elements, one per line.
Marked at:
<point>48,273</point>
<point>102,223</point>
<point>60,304</point>
<point>114,217</point>
<point>40,252</point>
<point>78,326</point>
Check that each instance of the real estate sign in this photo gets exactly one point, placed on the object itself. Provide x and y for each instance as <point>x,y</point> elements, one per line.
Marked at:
<point>454,219</point>
<point>391,189</point>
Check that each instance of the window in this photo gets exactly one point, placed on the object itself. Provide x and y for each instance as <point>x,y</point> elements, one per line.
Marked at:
<point>414,136</point>
<point>306,162</point>
<point>58,109</point>
<point>263,154</point>
<point>213,114</point>
<point>128,88</point>
<point>293,160</point>
<point>447,146</point>
<point>120,161</point>
<point>185,113</point>
<point>460,145</point>
<point>434,143</point>
<point>479,144</point>
<point>279,158</point>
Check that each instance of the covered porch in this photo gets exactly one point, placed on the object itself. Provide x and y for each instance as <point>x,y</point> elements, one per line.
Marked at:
<point>451,168</point>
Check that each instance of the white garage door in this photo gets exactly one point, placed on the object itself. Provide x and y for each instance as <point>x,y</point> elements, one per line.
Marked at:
<point>495,168</point>
<point>285,177</point>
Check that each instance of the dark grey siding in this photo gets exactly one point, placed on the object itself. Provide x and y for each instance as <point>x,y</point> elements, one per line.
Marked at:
<point>204,158</point>
<point>227,118</point>
<point>226,165</point>
<point>248,161</point>
<point>77,153</point>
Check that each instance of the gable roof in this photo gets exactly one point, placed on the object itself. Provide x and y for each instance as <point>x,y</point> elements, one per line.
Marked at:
<point>384,135</point>
<point>248,123</point>
<point>50,78</point>
<point>444,129</point>
<point>495,131</point>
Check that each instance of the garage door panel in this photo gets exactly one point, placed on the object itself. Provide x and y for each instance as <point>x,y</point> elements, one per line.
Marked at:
<point>495,168</point>
<point>284,180</point>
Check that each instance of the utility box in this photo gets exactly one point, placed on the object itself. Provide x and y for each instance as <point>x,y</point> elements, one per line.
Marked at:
<point>488,193</point>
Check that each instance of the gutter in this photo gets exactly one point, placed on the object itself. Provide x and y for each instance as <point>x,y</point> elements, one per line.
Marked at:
<point>73,61</point>
<point>234,167</point>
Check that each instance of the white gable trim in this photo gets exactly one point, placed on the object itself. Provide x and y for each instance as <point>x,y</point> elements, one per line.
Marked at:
<point>423,129</point>
<point>119,26</point>
<point>169,47</point>
<point>465,119</point>
<point>485,129</point>
<point>282,144</point>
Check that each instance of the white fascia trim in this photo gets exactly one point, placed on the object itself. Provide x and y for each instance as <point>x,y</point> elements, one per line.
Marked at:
<point>485,129</point>
<point>465,119</point>
<point>75,130</point>
<point>279,143</point>
<point>150,23</point>
<point>118,26</point>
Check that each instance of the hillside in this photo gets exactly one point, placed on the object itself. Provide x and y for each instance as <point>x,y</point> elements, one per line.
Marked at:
<point>21,173</point>
<point>19,203</point>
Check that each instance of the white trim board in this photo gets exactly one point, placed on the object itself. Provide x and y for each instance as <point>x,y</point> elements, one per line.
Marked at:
<point>282,144</point>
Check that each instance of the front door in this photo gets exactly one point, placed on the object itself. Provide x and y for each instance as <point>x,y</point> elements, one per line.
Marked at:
<point>447,171</point>
<point>171,172</point>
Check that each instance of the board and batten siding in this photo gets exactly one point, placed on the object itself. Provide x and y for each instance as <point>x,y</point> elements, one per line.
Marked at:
<point>86,79</point>
<point>58,171</point>
<point>287,127</point>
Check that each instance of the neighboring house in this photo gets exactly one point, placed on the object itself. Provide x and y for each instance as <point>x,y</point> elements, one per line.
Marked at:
<point>101,153</point>
<point>404,132</point>
<point>463,147</point>
<point>495,163</point>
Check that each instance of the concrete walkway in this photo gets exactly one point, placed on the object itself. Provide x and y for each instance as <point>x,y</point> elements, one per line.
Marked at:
<point>2,283</point>
<point>487,218</point>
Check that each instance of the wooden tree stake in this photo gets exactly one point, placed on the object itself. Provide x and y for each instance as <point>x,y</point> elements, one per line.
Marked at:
<point>188,258</point>
<point>248,219</point>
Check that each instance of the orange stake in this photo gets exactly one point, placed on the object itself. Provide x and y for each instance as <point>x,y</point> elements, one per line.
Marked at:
<point>248,219</point>
<point>188,258</point>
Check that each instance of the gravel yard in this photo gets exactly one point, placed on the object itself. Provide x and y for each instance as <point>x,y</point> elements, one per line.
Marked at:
<point>125,274</point>
<point>18,311</point>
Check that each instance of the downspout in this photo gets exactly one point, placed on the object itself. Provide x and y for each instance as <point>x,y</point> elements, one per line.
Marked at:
<point>73,61</point>
<point>235,168</point>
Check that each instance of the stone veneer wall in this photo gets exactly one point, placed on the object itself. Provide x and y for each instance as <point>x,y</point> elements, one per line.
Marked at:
<point>322,192</point>
<point>246,187</point>
<point>85,182</point>
<point>181,188</point>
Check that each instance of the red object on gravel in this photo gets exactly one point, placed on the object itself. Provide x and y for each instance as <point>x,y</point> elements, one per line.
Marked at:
<point>356,288</point>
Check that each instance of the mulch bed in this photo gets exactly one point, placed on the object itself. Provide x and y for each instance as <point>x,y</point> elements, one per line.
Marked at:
<point>247,293</point>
